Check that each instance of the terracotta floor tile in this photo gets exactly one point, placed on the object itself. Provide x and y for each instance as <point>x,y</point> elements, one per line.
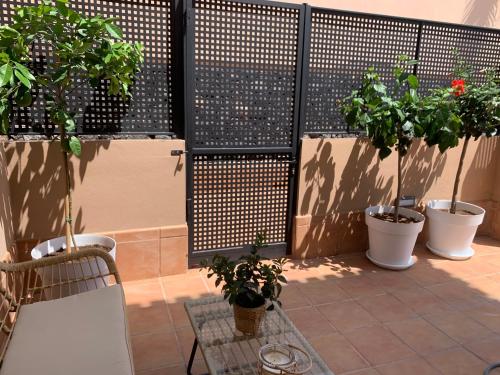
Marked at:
<point>488,350</point>
<point>390,280</point>
<point>421,336</point>
<point>291,297</point>
<point>360,286</point>
<point>144,293</point>
<point>459,326</point>
<point>149,319</point>
<point>347,315</point>
<point>178,314</point>
<point>338,353</point>
<point>155,350</point>
<point>310,322</point>
<point>300,270</point>
<point>321,292</point>
<point>458,295</point>
<point>366,371</point>
<point>378,345</point>
<point>421,300</point>
<point>185,336</point>
<point>488,316</point>
<point>183,290</point>
<point>412,366</point>
<point>486,287</point>
<point>426,275</point>
<point>386,308</point>
<point>456,361</point>
<point>169,370</point>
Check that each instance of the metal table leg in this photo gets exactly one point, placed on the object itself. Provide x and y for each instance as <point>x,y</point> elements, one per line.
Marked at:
<point>191,357</point>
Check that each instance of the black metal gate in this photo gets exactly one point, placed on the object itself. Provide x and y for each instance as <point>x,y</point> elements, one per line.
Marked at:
<point>242,110</point>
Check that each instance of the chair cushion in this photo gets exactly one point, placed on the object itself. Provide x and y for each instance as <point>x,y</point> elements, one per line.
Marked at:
<point>82,334</point>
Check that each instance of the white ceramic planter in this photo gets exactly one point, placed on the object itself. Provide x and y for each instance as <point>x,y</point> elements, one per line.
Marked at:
<point>451,235</point>
<point>57,274</point>
<point>391,244</point>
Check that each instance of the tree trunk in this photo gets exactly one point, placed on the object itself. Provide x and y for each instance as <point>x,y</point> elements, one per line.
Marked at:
<point>398,194</point>
<point>68,205</point>
<point>453,207</point>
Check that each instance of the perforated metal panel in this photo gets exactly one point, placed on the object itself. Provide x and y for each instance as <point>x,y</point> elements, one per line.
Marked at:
<point>150,111</point>
<point>342,46</point>
<point>235,196</point>
<point>480,48</point>
<point>245,61</point>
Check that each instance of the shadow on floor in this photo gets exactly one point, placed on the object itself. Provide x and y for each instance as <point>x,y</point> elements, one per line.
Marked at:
<point>439,317</point>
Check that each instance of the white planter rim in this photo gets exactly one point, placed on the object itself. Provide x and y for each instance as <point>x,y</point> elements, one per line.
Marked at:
<point>397,229</point>
<point>54,244</point>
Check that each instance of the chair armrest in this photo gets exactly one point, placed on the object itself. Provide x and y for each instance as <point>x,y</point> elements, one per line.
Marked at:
<point>64,258</point>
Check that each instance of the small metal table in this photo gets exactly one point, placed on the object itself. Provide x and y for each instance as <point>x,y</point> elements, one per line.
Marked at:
<point>228,351</point>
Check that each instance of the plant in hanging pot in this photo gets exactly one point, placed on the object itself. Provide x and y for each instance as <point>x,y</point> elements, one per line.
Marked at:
<point>248,283</point>
<point>390,120</point>
<point>466,110</point>
<point>84,51</point>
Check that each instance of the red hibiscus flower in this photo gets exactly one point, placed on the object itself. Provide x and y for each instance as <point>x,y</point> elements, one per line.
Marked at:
<point>458,86</point>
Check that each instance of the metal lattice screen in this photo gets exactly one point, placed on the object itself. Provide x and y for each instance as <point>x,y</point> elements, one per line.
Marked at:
<point>244,98</point>
<point>478,47</point>
<point>237,195</point>
<point>245,67</point>
<point>342,45</point>
<point>150,110</point>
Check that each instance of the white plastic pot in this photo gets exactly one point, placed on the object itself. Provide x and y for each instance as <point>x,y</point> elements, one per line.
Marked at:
<point>451,235</point>
<point>57,274</point>
<point>391,244</point>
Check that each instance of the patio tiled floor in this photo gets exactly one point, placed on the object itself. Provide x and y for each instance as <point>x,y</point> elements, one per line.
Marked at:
<point>439,317</point>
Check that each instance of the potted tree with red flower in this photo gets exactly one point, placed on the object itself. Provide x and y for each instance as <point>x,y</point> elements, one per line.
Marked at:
<point>466,110</point>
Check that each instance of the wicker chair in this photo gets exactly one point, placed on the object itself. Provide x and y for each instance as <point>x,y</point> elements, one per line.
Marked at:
<point>61,314</point>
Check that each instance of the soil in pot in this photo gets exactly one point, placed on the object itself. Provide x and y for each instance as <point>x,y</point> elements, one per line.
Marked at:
<point>390,217</point>
<point>457,212</point>
<point>62,251</point>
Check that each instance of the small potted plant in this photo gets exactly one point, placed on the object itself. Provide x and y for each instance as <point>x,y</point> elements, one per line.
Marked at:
<point>391,121</point>
<point>466,110</point>
<point>248,283</point>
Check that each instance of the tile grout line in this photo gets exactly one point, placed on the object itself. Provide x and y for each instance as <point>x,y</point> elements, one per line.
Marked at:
<point>177,339</point>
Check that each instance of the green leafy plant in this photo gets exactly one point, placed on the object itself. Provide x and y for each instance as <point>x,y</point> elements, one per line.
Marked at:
<point>252,279</point>
<point>467,109</point>
<point>390,118</point>
<point>84,50</point>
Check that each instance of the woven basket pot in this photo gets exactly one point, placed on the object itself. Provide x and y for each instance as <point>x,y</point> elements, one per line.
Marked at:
<point>247,320</point>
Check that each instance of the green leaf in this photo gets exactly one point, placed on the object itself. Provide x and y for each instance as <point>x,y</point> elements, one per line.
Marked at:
<point>379,87</point>
<point>114,31</point>
<point>5,74</point>
<point>413,81</point>
<point>25,71</point>
<point>24,99</point>
<point>70,125</point>
<point>75,146</point>
<point>25,81</point>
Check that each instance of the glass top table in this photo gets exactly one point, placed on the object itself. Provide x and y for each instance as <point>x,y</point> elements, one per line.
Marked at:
<point>227,351</point>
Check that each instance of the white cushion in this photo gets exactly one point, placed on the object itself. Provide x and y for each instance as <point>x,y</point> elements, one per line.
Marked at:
<point>78,335</point>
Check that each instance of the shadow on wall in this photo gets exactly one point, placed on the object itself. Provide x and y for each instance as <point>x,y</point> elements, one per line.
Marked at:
<point>337,202</point>
<point>483,164</point>
<point>481,12</point>
<point>7,237</point>
<point>422,166</point>
<point>37,166</point>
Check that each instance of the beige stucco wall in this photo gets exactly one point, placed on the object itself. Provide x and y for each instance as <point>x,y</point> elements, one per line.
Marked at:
<point>118,185</point>
<point>6,229</point>
<point>343,175</point>
<point>339,178</point>
<point>471,12</point>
